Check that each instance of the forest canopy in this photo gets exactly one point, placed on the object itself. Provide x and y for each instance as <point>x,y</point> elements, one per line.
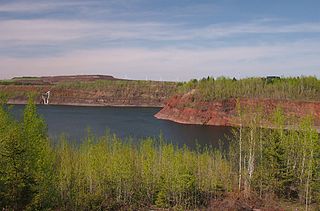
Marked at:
<point>290,88</point>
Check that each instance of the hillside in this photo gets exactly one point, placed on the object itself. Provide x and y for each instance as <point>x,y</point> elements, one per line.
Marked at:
<point>214,102</point>
<point>208,101</point>
<point>89,91</point>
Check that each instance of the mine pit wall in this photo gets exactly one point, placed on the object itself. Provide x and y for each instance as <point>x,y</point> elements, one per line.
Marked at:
<point>182,109</point>
<point>144,96</point>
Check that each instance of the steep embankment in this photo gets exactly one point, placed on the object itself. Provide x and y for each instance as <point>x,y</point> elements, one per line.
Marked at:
<point>185,109</point>
<point>90,91</point>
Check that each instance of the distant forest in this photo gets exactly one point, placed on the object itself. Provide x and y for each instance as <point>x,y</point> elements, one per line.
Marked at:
<point>206,89</point>
<point>292,88</point>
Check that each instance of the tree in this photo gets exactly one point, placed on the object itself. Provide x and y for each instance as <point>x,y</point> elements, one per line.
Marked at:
<point>40,157</point>
<point>27,174</point>
<point>14,177</point>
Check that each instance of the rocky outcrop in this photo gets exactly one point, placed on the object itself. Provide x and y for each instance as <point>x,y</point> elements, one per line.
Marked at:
<point>184,109</point>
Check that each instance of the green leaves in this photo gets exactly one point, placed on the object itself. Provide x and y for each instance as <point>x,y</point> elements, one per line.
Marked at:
<point>27,161</point>
<point>110,173</point>
<point>294,88</point>
<point>285,161</point>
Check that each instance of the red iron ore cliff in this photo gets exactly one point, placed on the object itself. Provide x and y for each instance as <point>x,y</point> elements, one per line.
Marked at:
<point>182,109</point>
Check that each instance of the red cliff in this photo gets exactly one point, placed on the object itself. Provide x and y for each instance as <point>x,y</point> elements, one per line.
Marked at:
<point>184,109</point>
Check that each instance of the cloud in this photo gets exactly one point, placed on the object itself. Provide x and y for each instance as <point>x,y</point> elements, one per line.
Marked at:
<point>38,6</point>
<point>169,63</point>
<point>75,24</point>
<point>38,31</point>
<point>48,31</point>
<point>224,30</point>
<point>24,7</point>
<point>111,8</point>
<point>123,38</point>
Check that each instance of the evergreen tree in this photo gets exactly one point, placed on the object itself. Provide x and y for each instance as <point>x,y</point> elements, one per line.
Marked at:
<point>40,157</point>
<point>15,184</point>
<point>27,174</point>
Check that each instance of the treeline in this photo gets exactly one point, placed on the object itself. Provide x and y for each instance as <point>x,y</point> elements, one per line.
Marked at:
<point>22,81</point>
<point>107,173</point>
<point>291,88</point>
<point>105,84</point>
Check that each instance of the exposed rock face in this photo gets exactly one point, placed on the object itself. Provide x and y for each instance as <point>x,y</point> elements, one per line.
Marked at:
<point>93,91</point>
<point>111,97</point>
<point>183,109</point>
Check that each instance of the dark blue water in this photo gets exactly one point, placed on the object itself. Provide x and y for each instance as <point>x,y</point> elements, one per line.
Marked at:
<point>125,122</point>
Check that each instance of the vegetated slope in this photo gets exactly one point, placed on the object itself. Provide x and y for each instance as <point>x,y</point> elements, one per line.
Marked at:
<point>214,102</point>
<point>49,80</point>
<point>90,91</point>
<point>261,169</point>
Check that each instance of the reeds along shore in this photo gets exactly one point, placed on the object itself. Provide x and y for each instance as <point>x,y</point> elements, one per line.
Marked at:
<point>108,173</point>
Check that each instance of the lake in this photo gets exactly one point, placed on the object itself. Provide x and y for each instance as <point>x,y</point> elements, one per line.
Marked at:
<point>134,122</point>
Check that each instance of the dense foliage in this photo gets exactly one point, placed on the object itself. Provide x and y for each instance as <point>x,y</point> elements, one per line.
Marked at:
<point>294,88</point>
<point>26,161</point>
<point>109,173</point>
<point>279,162</point>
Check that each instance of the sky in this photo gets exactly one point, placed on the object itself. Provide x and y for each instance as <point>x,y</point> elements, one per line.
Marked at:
<point>174,40</point>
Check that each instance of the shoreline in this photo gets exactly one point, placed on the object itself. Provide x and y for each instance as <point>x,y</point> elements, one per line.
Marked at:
<point>89,105</point>
<point>218,125</point>
<point>158,115</point>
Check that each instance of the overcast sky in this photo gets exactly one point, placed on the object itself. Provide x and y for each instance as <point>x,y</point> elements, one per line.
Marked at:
<point>160,39</point>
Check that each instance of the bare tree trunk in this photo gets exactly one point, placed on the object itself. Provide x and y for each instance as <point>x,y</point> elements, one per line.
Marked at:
<point>251,158</point>
<point>240,156</point>
<point>309,177</point>
<point>303,160</point>
<point>261,161</point>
